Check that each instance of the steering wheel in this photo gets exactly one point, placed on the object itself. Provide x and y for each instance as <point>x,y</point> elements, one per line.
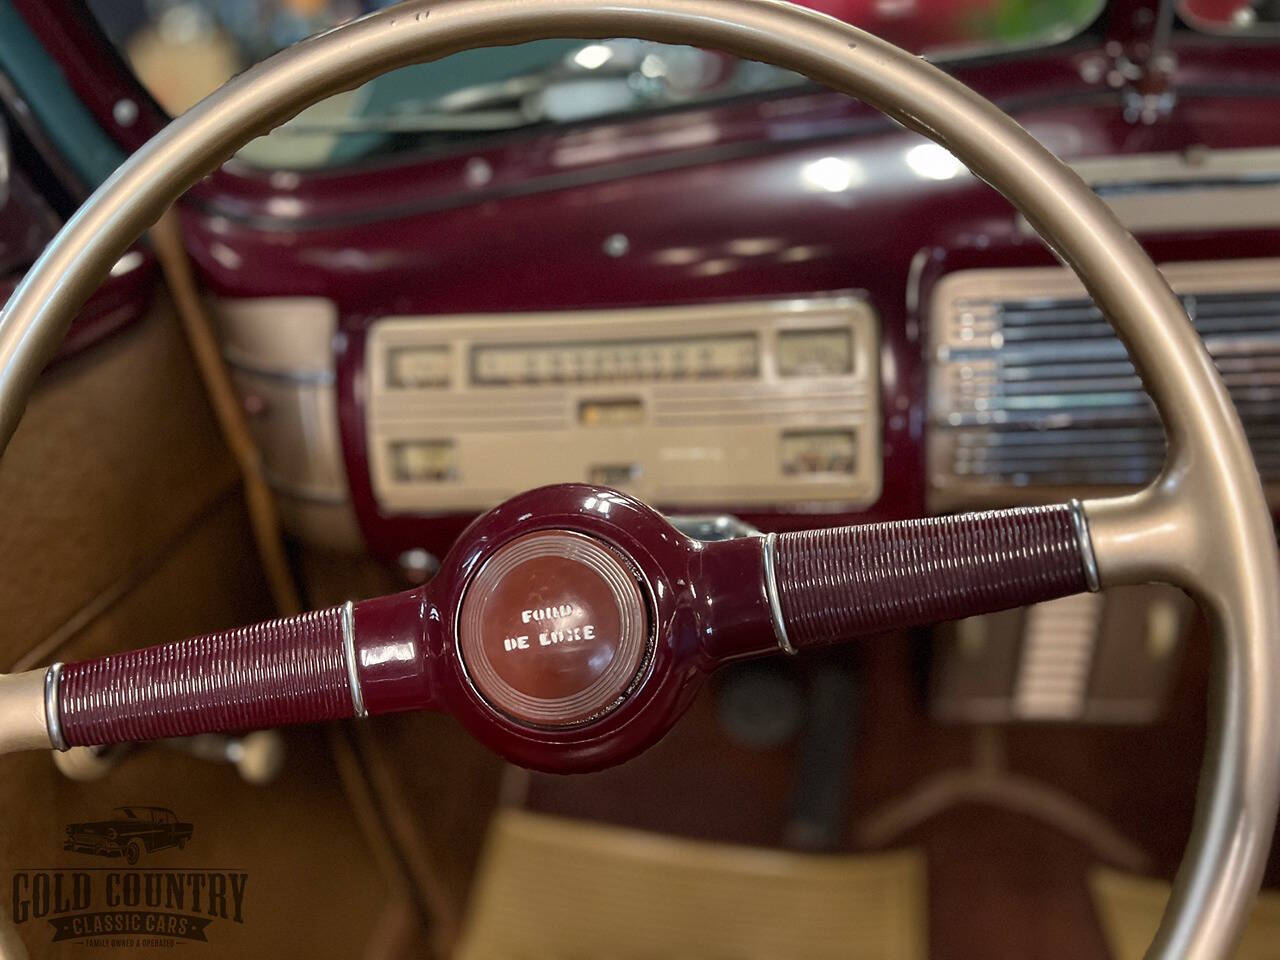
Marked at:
<point>570,626</point>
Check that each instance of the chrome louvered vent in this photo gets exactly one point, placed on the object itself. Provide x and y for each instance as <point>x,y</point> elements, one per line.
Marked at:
<point>1030,389</point>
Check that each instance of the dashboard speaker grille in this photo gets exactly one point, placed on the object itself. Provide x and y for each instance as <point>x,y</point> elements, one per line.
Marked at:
<point>1031,391</point>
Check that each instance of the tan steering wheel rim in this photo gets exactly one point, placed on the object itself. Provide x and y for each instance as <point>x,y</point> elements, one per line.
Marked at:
<point>1204,524</point>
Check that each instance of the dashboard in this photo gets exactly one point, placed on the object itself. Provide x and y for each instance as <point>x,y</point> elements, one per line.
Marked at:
<point>787,311</point>
<point>755,403</point>
<point>964,375</point>
<point>753,407</point>
<point>763,366</point>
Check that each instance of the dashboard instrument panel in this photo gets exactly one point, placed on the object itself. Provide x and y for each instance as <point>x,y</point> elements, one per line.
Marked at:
<point>753,403</point>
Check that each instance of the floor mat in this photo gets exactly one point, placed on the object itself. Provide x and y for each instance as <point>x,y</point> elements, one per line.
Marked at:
<point>1129,909</point>
<point>556,889</point>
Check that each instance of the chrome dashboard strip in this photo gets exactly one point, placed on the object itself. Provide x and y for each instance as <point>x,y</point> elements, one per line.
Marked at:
<point>306,378</point>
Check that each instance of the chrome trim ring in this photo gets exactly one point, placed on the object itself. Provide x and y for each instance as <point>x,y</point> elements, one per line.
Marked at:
<point>771,590</point>
<point>52,708</point>
<point>349,655</point>
<point>1088,559</point>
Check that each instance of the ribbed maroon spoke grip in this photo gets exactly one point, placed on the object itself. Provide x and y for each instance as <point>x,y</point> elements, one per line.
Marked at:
<point>845,582</point>
<point>282,671</point>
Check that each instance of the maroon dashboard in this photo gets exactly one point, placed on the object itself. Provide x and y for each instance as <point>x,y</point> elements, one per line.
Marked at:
<point>734,220</point>
<point>416,240</point>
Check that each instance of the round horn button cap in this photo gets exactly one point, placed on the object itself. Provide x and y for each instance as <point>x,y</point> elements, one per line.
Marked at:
<point>553,629</point>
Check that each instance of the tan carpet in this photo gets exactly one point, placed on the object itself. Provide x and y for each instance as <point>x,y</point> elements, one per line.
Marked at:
<point>1129,908</point>
<point>555,889</point>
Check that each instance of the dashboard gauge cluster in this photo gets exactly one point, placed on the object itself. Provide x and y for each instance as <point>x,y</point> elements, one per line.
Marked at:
<point>635,361</point>
<point>755,404</point>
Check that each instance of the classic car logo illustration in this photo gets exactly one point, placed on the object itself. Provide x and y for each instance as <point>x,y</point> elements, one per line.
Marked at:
<point>129,904</point>
<point>129,833</point>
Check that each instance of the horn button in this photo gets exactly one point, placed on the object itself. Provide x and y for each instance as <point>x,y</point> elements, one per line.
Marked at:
<point>554,629</point>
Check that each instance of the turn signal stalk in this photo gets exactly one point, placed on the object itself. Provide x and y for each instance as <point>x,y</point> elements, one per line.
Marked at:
<point>570,626</point>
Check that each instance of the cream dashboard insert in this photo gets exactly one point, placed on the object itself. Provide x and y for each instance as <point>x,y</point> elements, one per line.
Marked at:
<point>748,404</point>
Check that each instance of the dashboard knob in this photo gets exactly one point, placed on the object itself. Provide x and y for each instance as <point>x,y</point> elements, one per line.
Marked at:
<point>554,629</point>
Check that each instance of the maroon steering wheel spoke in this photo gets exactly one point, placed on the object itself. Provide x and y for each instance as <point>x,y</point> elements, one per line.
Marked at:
<point>843,583</point>
<point>282,671</point>
<point>571,625</point>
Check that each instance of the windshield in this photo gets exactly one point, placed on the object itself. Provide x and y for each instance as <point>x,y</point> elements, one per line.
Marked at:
<point>183,49</point>
<point>127,813</point>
